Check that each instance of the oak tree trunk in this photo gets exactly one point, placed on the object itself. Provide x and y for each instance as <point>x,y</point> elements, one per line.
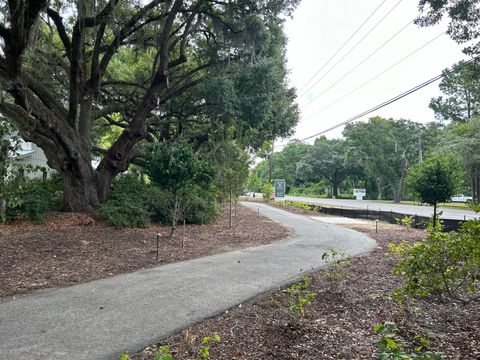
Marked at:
<point>80,191</point>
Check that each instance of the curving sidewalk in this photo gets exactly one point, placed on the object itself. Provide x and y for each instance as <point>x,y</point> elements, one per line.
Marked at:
<point>125,313</point>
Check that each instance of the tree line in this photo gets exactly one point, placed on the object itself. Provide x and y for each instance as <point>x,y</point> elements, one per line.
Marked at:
<point>378,154</point>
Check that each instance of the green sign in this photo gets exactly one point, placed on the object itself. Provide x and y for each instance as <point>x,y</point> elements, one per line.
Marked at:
<point>279,188</point>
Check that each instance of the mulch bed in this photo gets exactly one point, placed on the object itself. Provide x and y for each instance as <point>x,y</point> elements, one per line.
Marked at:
<point>74,248</point>
<point>339,324</point>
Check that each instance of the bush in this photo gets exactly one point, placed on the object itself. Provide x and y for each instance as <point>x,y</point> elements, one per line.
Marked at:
<point>131,202</point>
<point>444,264</point>
<point>125,214</point>
<point>315,189</point>
<point>33,198</point>
<point>267,190</point>
<point>391,349</point>
<point>300,296</point>
<point>201,207</point>
<point>336,272</point>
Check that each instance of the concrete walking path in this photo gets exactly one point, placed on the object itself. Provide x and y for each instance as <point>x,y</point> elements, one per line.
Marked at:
<point>105,318</point>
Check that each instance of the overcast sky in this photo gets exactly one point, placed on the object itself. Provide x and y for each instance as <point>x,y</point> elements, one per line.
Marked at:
<point>320,27</point>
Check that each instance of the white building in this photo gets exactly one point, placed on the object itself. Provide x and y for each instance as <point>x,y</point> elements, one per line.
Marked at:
<point>30,154</point>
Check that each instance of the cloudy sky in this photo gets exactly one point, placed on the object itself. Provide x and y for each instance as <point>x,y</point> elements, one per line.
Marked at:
<point>320,27</point>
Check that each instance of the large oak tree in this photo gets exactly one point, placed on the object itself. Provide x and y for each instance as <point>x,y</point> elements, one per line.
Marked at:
<point>71,72</point>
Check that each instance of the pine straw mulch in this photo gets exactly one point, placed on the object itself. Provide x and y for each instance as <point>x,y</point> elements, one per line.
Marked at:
<point>338,325</point>
<point>74,248</point>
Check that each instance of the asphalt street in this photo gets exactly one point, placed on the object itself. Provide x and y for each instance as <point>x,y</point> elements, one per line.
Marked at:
<point>105,318</point>
<point>427,211</point>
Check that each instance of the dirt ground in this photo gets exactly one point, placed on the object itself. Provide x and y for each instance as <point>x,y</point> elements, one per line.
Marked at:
<point>339,324</point>
<point>74,248</point>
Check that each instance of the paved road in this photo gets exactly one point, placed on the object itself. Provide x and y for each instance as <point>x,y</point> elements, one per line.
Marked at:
<point>448,213</point>
<point>103,318</point>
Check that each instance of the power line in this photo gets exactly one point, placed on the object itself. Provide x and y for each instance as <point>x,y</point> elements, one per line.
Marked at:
<point>375,77</point>
<point>392,100</point>
<point>353,48</point>
<point>343,45</point>
<point>361,62</point>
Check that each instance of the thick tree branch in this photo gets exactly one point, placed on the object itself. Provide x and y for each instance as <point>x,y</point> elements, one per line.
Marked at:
<point>47,99</point>
<point>95,72</point>
<point>22,18</point>
<point>58,21</point>
<point>118,156</point>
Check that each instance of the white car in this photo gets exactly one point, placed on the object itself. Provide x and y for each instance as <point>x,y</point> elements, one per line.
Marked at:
<point>460,198</point>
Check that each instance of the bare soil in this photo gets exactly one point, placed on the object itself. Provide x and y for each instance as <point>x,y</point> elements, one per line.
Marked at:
<point>339,324</point>
<point>73,248</point>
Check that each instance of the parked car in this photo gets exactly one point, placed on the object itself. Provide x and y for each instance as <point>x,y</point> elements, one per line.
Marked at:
<point>460,198</point>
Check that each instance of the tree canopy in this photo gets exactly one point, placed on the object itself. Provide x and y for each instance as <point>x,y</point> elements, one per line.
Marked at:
<point>327,158</point>
<point>128,72</point>
<point>385,148</point>
<point>463,16</point>
<point>462,94</point>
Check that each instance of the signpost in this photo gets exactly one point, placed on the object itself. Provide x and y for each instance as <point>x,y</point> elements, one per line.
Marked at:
<point>359,193</point>
<point>279,189</point>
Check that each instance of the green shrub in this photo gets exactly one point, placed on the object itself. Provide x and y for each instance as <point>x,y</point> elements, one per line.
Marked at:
<point>300,296</point>
<point>267,190</point>
<point>391,349</point>
<point>299,204</point>
<point>337,269</point>
<point>313,189</point>
<point>163,353</point>
<point>208,341</point>
<point>125,214</point>
<point>406,221</point>
<point>444,264</point>
<point>196,206</point>
<point>131,202</point>
<point>33,199</point>
<point>201,207</point>
<point>134,203</point>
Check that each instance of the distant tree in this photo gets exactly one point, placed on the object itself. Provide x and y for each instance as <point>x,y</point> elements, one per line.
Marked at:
<point>284,164</point>
<point>462,94</point>
<point>435,180</point>
<point>327,159</point>
<point>385,148</point>
<point>464,140</point>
